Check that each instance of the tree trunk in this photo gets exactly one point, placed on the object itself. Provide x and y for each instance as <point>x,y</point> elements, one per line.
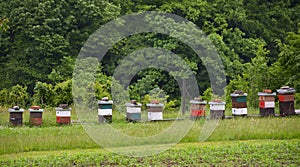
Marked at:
<point>183,105</point>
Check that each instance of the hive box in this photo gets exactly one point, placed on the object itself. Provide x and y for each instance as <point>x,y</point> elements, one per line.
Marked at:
<point>197,109</point>
<point>239,103</point>
<point>266,103</point>
<point>264,112</point>
<point>105,111</point>
<point>266,97</point>
<point>217,110</point>
<point>36,116</point>
<point>155,111</point>
<point>287,97</point>
<point>287,108</point>
<point>16,116</point>
<point>239,111</point>
<point>286,100</point>
<point>217,106</point>
<point>63,115</point>
<point>133,112</point>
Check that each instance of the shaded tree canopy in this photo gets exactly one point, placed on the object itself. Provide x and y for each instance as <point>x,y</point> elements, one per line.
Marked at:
<point>40,40</point>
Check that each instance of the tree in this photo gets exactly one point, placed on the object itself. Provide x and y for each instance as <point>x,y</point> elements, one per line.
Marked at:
<point>289,59</point>
<point>254,78</point>
<point>46,34</point>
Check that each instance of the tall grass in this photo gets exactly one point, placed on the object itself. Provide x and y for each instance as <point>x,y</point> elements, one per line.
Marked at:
<point>51,136</point>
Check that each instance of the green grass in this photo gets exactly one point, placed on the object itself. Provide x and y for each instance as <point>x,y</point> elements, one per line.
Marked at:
<point>234,153</point>
<point>274,141</point>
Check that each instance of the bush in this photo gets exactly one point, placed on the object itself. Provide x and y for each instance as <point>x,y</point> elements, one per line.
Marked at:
<point>4,97</point>
<point>43,94</point>
<point>172,106</point>
<point>297,100</point>
<point>18,95</point>
<point>63,93</point>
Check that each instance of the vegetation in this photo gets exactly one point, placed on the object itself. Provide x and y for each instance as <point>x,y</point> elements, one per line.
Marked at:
<point>258,42</point>
<point>238,153</point>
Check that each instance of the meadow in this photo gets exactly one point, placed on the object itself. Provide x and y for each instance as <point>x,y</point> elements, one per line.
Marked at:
<point>241,141</point>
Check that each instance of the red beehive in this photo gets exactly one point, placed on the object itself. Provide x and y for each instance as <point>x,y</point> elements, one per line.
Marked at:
<point>286,100</point>
<point>197,108</point>
<point>63,114</point>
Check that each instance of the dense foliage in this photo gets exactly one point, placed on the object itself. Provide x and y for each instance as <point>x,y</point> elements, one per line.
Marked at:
<point>258,41</point>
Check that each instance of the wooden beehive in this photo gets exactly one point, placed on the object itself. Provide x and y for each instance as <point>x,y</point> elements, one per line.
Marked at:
<point>36,115</point>
<point>63,115</point>
<point>197,108</point>
<point>286,100</point>
<point>155,110</point>
<point>16,116</point>
<point>266,103</point>
<point>217,109</point>
<point>133,111</point>
<point>239,103</point>
<point>105,110</point>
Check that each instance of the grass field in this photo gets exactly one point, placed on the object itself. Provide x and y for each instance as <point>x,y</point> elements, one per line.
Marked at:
<point>242,141</point>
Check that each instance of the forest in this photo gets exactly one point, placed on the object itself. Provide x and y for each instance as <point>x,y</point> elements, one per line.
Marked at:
<point>257,40</point>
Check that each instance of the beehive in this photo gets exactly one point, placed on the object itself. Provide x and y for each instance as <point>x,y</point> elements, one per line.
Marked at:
<point>266,103</point>
<point>36,115</point>
<point>217,109</point>
<point>133,111</point>
<point>105,110</point>
<point>239,103</point>
<point>155,110</point>
<point>197,108</point>
<point>63,114</point>
<point>16,116</point>
<point>286,100</point>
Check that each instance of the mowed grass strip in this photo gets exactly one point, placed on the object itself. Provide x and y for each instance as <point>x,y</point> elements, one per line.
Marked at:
<point>230,153</point>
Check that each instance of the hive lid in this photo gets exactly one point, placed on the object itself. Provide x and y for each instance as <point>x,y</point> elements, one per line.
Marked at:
<point>155,105</point>
<point>133,105</point>
<point>217,103</point>
<point>62,109</point>
<point>266,94</point>
<point>14,110</point>
<point>238,95</point>
<point>286,90</point>
<point>105,102</point>
<point>35,107</point>
<point>35,110</point>
<point>63,106</point>
<point>197,102</point>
